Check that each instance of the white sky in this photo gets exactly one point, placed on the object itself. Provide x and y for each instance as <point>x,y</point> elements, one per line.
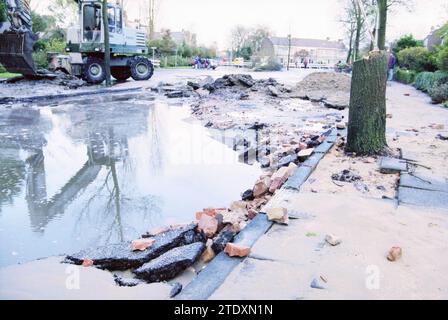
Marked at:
<point>212,20</point>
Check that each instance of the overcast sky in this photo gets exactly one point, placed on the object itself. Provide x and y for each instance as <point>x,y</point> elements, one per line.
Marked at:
<point>212,20</point>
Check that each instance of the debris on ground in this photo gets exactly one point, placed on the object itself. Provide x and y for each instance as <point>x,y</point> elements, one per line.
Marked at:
<point>176,289</point>
<point>222,239</point>
<point>208,225</point>
<point>142,244</point>
<point>279,215</point>
<point>346,176</point>
<point>333,240</point>
<point>235,250</point>
<point>394,254</point>
<point>121,257</point>
<point>317,284</point>
<point>87,262</point>
<point>171,263</point>
<point>126,282</point>
<point>208,253</point>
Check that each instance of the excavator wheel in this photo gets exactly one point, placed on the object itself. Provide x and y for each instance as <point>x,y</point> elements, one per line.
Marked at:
<point>121,73</point>
<point>141,68</point>
<point>94,71</point>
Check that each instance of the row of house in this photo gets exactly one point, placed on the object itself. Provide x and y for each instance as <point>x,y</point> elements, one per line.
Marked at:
<point>313,51</point>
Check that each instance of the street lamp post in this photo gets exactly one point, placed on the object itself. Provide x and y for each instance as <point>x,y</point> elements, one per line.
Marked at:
<point>289,52</point>
<point>153,53</point>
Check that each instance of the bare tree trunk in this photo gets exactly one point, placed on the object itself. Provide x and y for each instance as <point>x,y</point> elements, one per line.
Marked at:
<point>372,42</point>
<point>367,114</point>
<point>106,44</point>
<point>382,11</point>
<point>350,47</point>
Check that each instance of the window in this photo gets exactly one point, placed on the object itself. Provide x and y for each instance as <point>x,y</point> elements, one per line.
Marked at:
<point>119,20</point>
<point>111,17</point>
<point>92,22</point>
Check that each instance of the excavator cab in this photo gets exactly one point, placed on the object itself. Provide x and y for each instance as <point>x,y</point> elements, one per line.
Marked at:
<point>16,37</point>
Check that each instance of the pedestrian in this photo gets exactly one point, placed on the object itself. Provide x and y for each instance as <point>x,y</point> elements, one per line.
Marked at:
<point>391,65</point>
<point>305,63</point>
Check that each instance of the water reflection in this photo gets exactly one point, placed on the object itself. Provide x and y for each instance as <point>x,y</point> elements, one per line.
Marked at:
<point>90,173</point>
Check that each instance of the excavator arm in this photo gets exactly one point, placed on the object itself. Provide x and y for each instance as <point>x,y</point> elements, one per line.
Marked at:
<point>16,37</point>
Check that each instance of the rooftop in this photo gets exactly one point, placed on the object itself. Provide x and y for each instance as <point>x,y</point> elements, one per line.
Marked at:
<point>312,43</point>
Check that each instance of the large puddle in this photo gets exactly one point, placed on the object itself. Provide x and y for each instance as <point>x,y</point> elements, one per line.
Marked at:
<point>92,172</point>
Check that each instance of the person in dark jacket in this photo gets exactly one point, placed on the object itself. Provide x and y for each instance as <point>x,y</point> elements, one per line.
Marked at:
<point>391,65</point>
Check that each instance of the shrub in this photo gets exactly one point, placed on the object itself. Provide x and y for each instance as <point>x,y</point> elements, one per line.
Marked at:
<point>3,12</point>
<point>170,61</point>
<point>417,59</point>
<point>442,58</point>
<point>439,93</point>
<point>2,69</point>
<point>40,59</point>
<point>405,42</point>
<point>427,80</point>
<point>405,76</point>
<point>42,47</point>
<point>271,65</point>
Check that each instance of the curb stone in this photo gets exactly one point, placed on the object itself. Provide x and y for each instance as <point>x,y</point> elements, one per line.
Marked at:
<point>214,274</point>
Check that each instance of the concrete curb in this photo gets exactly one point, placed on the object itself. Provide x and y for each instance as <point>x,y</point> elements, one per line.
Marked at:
<point>215,273</point>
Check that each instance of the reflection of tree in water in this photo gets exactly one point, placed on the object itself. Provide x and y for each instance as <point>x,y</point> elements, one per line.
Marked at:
<point>20,128</point>
<point>12,175</point>
<point>113,202</point>
<point>156,156</point>
<point>105,129</point>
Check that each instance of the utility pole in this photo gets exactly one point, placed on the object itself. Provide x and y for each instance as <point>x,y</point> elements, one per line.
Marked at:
<point>151,18</point>
<point>106,44</point>
<point>289,51</point>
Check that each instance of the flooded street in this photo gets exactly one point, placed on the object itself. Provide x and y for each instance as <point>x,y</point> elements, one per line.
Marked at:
<point>97,171</point>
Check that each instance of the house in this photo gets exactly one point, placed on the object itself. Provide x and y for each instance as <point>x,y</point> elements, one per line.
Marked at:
<point>433,39</point>
<point>179,37</point>
<point>315,51</point>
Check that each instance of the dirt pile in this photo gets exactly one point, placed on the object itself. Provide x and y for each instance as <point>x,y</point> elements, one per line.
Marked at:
<point>332,89</point>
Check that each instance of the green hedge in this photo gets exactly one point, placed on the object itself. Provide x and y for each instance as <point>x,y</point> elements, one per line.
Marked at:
<point>435,84</point>
<point>439,93</point>
<point>442,58</point>
<point>171,62</point>
<point>418,59</point>
<point>427,80</point>
<point>405,76</point>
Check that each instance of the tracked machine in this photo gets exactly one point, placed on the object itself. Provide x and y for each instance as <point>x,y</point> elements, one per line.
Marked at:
<point>84,55</point>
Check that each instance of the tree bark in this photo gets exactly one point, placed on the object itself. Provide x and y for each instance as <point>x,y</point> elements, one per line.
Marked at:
<point>372,43</point>
<point>367,114</point>
<point>382,11</point>
<point>106,44</point>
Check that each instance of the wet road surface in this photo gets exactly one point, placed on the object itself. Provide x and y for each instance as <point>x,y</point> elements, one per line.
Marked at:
<point>100,170</point>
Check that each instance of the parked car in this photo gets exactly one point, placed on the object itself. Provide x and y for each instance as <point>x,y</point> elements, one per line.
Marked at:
<point>238,62</point>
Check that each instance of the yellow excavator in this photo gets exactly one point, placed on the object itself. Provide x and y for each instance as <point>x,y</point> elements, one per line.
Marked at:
<point>16,37</point>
